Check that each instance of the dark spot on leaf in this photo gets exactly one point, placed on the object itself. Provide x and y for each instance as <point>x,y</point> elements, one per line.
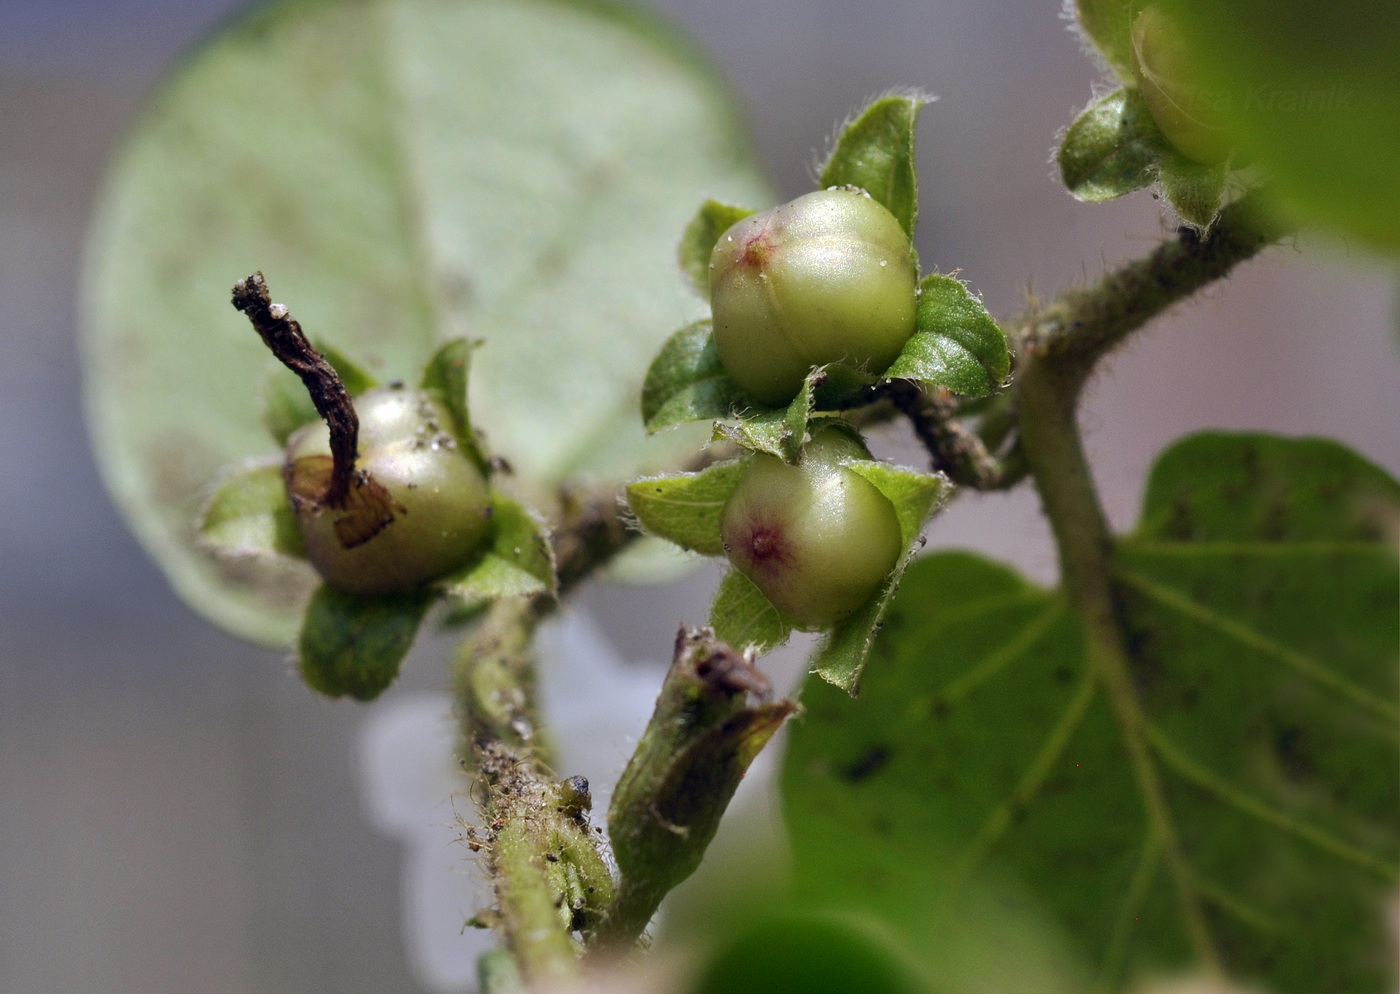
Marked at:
<point>881,825</point>
<point>872,761</point>
<point>1062,674</point>
<point>1291,747</point>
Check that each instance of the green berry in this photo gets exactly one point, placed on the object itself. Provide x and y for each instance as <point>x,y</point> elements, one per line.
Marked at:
<point>828,277</point>
<point>436,510</point>
<point>1183,109</point>
<point>817,538</point>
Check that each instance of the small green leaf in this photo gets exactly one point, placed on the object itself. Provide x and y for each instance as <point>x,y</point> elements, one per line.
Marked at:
<point>249,515</point>
<point>915,495</point>
<point>352,646</point>
<point>957,345</point>
<point>685,509</point>
<point>1195,191</point>
<point>843,654</point>
<point>876,153</point>
<point>1108,25</point>
<point>445,376</point>
<point>519,563</point>
<point>286,404</point>
<point>778,431</point>
<point>687,382</point>
<point>1111,149</point>
<point>698,241</point>
<point>744,618</point>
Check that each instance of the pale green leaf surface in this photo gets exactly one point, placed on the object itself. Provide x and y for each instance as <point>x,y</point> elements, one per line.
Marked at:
<point>1111,149</point>
<point>698,240</point>
<point>1261,592</point>
<point>914,494</point>
<point>352,646</point>
<point>446,376</point>
<point>686,508</point>
<point>875,152</point>
<point>956,345</point>
<point>744,618</point>
<point>776,431</point>
<point>404,173</point>
<point>249,515</point>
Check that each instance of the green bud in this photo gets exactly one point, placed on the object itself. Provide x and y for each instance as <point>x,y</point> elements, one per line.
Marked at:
<point>828,277</point>
<point>816,538</point>
<point>1183,109</point>
<point>433,511</point>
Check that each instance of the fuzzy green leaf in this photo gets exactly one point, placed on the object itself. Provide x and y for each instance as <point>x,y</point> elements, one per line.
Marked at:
<point>1260,594</point>
<point>1112,148</point>
<point>744,618</point>
<point>685,509</point>
<point>875,152</point>
<point>842,656</point>
<point>404,172</point>
<point>1195,191</point>
<point>249,515</point>
<point>286,404</point>
<point>1108,25</point>
<point>352,645</point>
<point>778,431</point>
<point>519,563</point>
<point>698,240</point>
<point>956,344</point>
<point>687,382</point>
<point>445,376</point>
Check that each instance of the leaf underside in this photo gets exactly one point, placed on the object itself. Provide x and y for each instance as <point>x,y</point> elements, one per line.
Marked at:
<point>404,173</point>
<point>1260,593</point>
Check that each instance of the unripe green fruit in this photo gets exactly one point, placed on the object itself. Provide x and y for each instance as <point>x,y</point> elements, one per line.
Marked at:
<point>828,277</point>
<point>1183,109</point>
<point>439,499</point>
<point>817,538</point>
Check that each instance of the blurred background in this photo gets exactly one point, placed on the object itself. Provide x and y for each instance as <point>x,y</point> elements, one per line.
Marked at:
<point>177,813</point>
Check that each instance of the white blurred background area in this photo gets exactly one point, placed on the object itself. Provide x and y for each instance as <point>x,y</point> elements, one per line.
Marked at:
<point>179,814</point>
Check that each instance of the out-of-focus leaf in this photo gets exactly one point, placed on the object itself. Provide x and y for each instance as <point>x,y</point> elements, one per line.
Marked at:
<point>353,645</point>
<point>1311,92</point>
<point>1108,25</point>
<point>405,173</point>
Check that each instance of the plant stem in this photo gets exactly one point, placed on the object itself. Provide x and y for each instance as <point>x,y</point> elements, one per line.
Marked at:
<point>1059,349</point>
<point>550,878</point>
<point>712,719</point>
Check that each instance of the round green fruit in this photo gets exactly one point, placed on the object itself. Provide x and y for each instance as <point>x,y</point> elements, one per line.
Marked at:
<point>438,507</point>
<point>828,277</point>
<point>817,538</point>
<point>1184,110</point>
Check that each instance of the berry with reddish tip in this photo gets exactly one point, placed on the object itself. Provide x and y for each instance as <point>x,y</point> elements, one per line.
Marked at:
<point>817,538</point>
<point>829,277</point>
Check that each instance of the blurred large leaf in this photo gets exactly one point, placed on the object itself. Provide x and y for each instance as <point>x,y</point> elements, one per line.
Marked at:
<point>404,172</point>
<point>1261,590</point>
<point>1312,91</point>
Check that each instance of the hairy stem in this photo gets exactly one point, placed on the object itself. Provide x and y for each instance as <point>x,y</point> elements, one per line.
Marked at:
<point>550,878</point>
<point>1060,347</point>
